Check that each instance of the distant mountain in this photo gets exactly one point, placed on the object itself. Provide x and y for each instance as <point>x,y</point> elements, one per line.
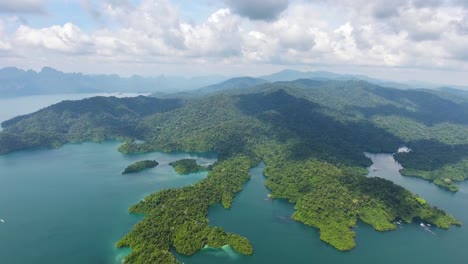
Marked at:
<point>232,84</point>
<point>292,75</point>
<point>17,82</point>
<point>454,92</point>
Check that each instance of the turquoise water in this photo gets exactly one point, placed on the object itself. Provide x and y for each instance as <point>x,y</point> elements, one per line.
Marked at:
<point>71,205</point>
<point>277,239</point>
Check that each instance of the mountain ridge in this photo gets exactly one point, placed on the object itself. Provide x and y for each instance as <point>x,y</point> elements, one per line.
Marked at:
<point>312,136</point>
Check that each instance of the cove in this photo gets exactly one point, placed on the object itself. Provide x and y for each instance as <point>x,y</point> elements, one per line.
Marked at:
<point>70,205</point>
<point>278,239</point>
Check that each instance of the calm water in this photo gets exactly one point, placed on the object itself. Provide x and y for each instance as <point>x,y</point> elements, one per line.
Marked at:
<point>277,239</point>
<point>71,205</point>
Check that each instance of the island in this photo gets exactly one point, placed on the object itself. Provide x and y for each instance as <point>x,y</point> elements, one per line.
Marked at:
<point>140,165</point>
<point>312,136</point>
<point>187,166</point>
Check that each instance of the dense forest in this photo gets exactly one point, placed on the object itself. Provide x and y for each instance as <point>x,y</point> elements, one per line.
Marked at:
<point>187,166</point>
<point>312,135</point>
<point>140,165</point>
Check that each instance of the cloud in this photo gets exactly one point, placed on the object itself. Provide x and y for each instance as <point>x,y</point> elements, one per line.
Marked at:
<point>267,10</point>
<point>90,7</point>
<point>67,39</point>
<point>22,7</point>
<point>327,33</point>
<point>5,46</point>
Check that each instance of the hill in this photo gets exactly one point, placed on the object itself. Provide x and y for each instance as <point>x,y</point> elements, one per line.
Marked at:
<point>310,133</point>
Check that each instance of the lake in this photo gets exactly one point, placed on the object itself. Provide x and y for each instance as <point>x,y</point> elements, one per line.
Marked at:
<point>70,205</point>
<point>277,239</point>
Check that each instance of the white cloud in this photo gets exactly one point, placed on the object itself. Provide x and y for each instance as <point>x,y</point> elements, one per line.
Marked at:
<point>67,39</point>
<point>4,43</point>
<point>332,33</point>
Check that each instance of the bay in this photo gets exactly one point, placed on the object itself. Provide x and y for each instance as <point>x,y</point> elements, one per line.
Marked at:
<point>70,205</point>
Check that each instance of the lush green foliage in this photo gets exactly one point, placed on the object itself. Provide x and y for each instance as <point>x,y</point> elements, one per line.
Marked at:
<point>93,119</point>
<point>140,165</point>
<point>442,164</point>
<point>332,198</point>
<point>131,146</point>
<point>445,176</point>
<point>186,166</point>
<point>311,135</point>
<point>177,218</point>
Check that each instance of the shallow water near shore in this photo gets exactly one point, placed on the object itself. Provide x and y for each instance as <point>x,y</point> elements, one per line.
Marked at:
<point>278,239</point>
<point>70,205</point>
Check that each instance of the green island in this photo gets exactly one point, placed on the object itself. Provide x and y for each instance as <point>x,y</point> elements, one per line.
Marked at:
<point>187,166</point>
<point>312,136</point>
<point>140,165</point>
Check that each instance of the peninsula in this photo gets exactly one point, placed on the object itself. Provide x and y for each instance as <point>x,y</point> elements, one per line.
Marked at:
<point>311,135</point>
<point>187,166</point>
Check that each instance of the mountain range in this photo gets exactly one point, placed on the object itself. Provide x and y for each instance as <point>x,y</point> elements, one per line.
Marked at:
<point>17,82</point>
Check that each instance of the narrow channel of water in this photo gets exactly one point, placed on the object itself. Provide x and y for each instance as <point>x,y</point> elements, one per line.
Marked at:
<point>278,239</point>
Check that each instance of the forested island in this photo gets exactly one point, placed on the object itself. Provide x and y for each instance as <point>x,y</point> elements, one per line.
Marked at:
<point>187,166</point>
<point>311,134</point>
<point>139,166</point>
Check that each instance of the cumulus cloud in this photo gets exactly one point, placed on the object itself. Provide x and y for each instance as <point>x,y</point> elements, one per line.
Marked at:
<point>258,9</point>
<point>4,43</point>
<point>67,39</point>
<point>396,34</point>
<point>22,7</point>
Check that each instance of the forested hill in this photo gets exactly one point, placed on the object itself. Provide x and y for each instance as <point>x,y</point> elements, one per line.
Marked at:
<point>92,119</point>
<point>311,134</point>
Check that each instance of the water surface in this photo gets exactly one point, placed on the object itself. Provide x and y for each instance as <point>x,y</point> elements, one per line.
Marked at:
<point>70,205</point>
<point>278,239</point>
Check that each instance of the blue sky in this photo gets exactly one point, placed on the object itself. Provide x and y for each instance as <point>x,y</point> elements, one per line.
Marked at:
<point>399,39</point>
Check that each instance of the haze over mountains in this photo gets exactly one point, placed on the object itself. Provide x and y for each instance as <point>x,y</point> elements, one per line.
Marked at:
<point>17,82</point>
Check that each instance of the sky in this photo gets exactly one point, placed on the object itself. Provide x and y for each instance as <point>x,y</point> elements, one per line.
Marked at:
<point>424,40</point>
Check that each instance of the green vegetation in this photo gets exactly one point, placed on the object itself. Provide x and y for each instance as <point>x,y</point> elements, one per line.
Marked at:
<point>93,119</point>
<point>332,198</point>
<point>312,136</point>
<point>444,165</point>
<point>131,146</point>
<point>186,166</point>
<point>445,176</point>
<point>177,218</point>
<point>140,165</point>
